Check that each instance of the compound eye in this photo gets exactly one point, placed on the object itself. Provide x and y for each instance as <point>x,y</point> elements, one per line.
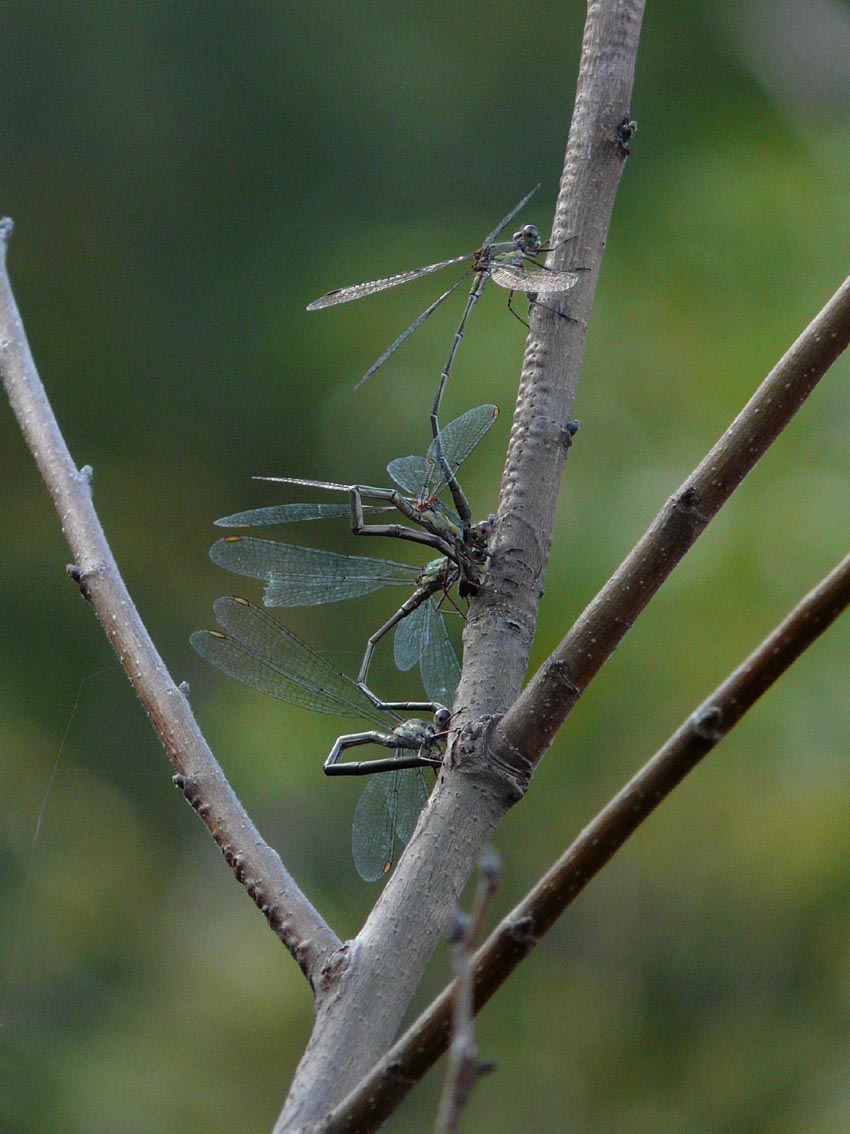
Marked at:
<point>528,238</point>
<point>442,718</point>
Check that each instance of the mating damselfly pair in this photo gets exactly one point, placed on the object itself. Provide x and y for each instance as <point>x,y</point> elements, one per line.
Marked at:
<point>258,650</point>
<point>254,648</point>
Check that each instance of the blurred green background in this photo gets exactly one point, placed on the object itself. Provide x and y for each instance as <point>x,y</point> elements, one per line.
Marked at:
<point>183,180</point>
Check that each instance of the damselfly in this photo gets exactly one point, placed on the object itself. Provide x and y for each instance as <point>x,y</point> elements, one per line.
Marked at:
<point>508,262</point>
<point>256,649</point>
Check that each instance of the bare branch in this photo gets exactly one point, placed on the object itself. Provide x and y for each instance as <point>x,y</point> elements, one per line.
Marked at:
<point>502,621</point>
<point>198,775</point>
<point>474,790</point>
<point>515,937</point>
<point>532,722</point>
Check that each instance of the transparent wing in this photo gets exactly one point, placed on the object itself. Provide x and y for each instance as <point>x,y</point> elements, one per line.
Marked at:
<point>506,220</point>
<point>423,637</point>
<point>438,662</point>
<point>310,511</point>
<point>262,653</point>
<point>543,281</point>
<point>284,514</point>
<point>304,482</point>
<point>454,444</point>
<point>408,638</point>
<point>410,796</point>
<point>370,287</point>
<point>425,477</point>
<point>389,806</point>
<point>408,331</point>
<point>372,830</point>
<point>308,576</point>
<point>409,473</point>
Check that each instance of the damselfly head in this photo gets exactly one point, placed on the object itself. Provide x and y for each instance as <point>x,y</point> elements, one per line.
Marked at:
<point>528,238</point>
<point>479,536</point>
<point>442,718</point>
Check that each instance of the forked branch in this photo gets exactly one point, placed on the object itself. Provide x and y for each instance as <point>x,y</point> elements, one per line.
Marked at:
<point>379,1093</point>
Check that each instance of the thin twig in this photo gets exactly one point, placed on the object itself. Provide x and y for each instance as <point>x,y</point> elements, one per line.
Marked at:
<point>197,773</point>
<point>464,1068</point>
<point>531,724</point>
<point>379,1093</point>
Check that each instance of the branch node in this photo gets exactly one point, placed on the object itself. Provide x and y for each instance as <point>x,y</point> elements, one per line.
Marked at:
<point>708,723</point>
<point>189,788</point>
<point>624,134</point>
<point>395,1073</point>
<point>500,755</point>
<point>688,501</point>
<point>522,931</point>
<point>84,576</point>
<point>558,675</point>
<point>334,968</point>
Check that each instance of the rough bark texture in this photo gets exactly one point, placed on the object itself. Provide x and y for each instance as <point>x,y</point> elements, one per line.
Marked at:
<point>360,1014</point>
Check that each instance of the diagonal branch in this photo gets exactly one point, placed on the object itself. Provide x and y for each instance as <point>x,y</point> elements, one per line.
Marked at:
<point>198,775</point>
<point>531,724</point>
<point>380,1092</point>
